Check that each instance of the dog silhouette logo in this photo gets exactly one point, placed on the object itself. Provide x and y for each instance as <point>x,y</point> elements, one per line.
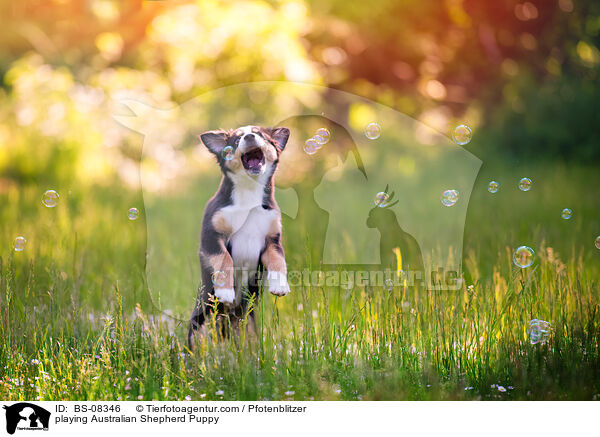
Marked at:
<point>26,416</point>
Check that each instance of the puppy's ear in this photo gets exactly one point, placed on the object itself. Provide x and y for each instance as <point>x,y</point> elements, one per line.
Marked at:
<point>214,140</point>
<point>281,136</point>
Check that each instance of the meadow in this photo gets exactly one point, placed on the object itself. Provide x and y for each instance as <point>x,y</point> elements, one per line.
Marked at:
<point>77,322</point>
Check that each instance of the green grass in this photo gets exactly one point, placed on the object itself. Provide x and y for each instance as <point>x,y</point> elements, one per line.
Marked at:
<point>76,321</point>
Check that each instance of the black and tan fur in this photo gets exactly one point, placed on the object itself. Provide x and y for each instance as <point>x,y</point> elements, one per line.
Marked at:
<point>241,228</point>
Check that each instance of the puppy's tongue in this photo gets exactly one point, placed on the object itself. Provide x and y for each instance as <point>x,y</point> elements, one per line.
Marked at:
<point>253,160</point>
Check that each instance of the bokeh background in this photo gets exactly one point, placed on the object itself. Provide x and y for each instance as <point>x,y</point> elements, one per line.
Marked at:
<point>76,318</point>
<point>523,75</point>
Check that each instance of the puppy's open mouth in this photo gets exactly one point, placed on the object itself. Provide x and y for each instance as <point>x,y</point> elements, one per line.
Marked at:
<point>253,161</point>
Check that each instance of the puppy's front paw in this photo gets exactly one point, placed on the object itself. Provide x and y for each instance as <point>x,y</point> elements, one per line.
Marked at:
<point>278,283</point>
<point>225,295</point>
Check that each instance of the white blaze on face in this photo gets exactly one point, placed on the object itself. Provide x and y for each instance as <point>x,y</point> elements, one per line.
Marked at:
<point>254,155</point>
<point>245,142</point>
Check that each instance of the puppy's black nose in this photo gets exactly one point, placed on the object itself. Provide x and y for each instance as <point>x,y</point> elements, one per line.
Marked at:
<point>249,137</point>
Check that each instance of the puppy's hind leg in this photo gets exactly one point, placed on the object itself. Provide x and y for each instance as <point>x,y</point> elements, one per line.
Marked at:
<point>250,300</point>
<point>196,327</point>
<point>200,315</point>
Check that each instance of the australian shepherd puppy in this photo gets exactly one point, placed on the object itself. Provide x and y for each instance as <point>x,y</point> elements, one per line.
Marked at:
<point>241,228</point>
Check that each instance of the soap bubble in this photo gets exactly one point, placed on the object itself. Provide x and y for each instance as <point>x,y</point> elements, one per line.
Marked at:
<point>525,184</point>
<point>449,197</point>
<point>319,140</point>
<point>382,199</point>
<point>566,213</point>
<point>538,331</point>
<point>219,278</point>
<point>598,242</point>
<point>372,131</point>
<point>50,199</point>
<point>462,134</point>
<point>523,256</point>
<point>227,153</point>
<point>19,244</point>
<point>389,284</point>
<point>132,214</point>
<point>311,146</point>
<point>324,133</point>
<point>493,187</point>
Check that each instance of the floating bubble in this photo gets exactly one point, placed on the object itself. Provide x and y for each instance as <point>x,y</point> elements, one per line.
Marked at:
<point>538,331</point>
<point>19,244</point>
<point>493,187</point>
<point>462,134</point>
<point>566,213</point>
<point>525,184</point>
<point>50,199</point>
<point>219,278</point>
<point>449,197</point>
<point>598,242</point>
<point>389,284</point>
<point>227,153</point>
<point>319,140</point>
<point>372,131</point>
<point>523,256</point>
<point>382,199</point>
<point>311,146</point>
<point>132,214</point>
<point>324,133</point>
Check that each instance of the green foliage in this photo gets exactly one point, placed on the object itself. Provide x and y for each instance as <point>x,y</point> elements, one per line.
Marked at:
<point>549,121</point>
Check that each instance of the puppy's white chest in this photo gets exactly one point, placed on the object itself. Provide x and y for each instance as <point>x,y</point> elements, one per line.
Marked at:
<point>248,240</point>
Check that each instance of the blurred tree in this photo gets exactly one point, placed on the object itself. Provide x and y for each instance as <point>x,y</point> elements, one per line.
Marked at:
<point>523,73</point>
<point>454,56</point>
